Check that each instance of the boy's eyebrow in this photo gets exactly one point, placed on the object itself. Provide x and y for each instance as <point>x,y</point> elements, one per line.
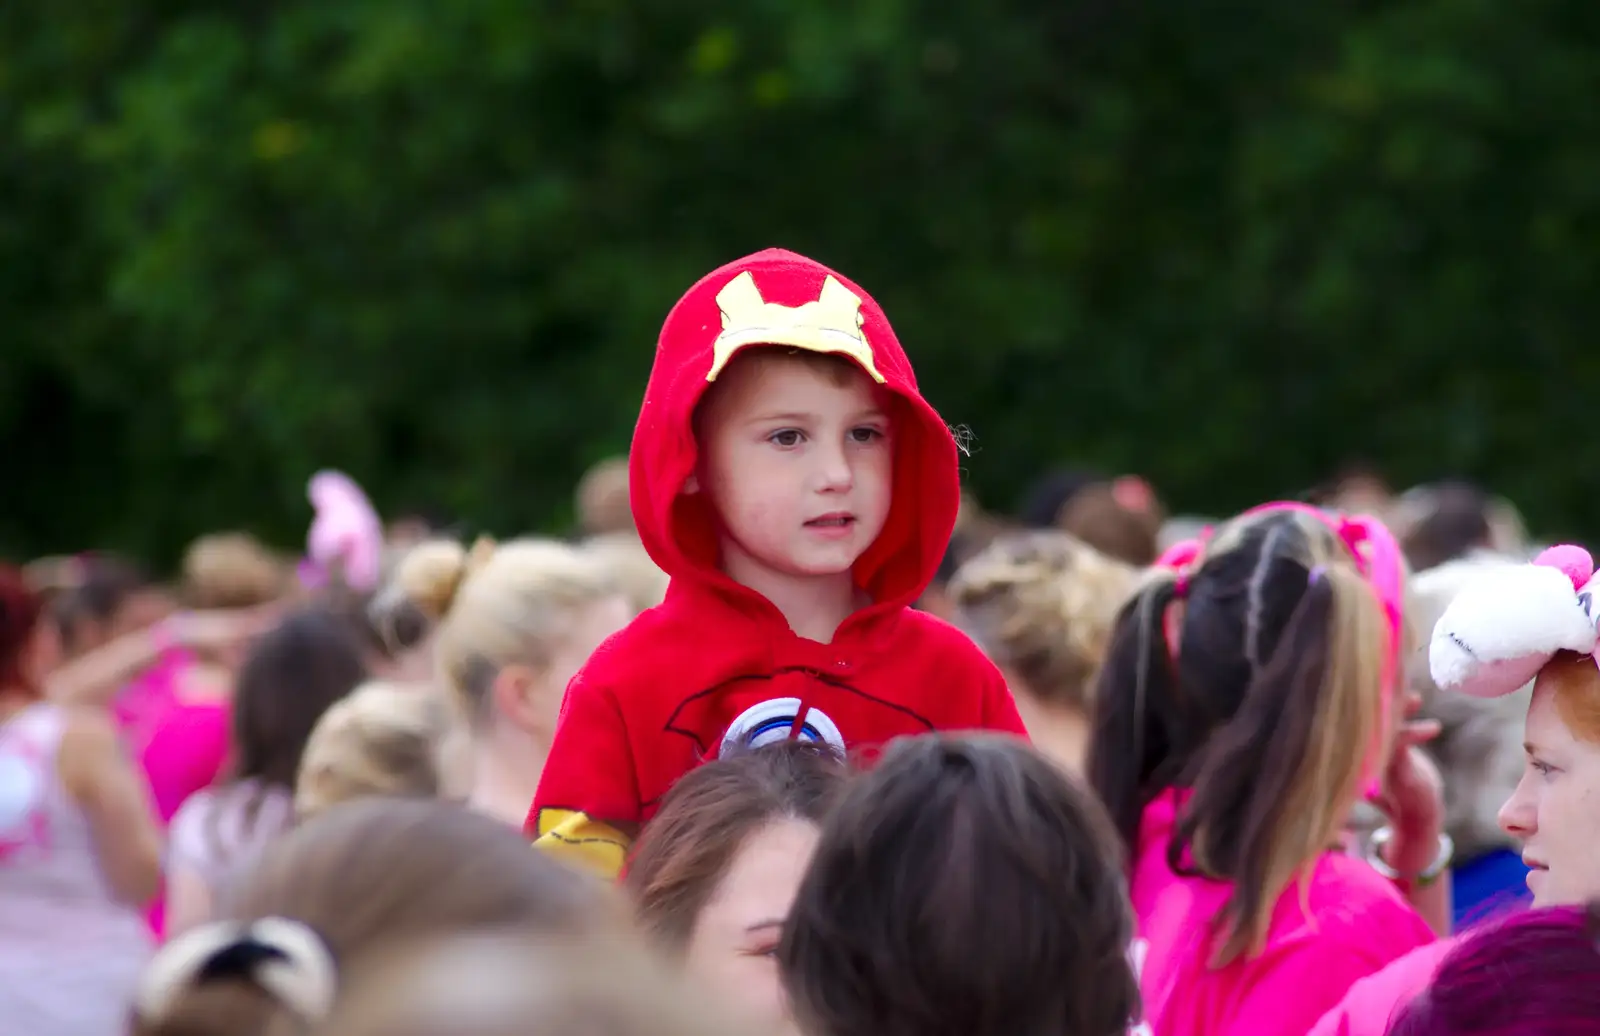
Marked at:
<point>800,417</point>
<point>794,416</point>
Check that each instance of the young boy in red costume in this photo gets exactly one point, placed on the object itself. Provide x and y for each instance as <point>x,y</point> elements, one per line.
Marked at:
<point>800,493</point>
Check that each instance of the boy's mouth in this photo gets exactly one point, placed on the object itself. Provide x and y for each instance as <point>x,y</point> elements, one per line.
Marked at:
<point>838,520</point>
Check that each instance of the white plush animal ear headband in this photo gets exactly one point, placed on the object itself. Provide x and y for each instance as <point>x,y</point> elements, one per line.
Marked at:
<point>1503,628</point>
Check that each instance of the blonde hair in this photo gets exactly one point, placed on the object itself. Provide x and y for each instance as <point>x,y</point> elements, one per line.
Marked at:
<point>499,985</point>
<point>643,583</point>
<point>1041,604</point>
<point>496,606</point>
<point>336,894</point>
<point>233,570</point>
<point>1260,691</point>
<point>381,739</point>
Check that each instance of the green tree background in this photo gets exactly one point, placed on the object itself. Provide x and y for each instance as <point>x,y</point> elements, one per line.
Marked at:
<point>1225,245</point>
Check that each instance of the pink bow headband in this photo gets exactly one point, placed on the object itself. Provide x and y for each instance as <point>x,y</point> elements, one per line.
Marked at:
<point>1371,546</point>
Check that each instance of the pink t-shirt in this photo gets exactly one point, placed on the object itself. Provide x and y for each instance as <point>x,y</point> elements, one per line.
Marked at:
<point>1356,924</point>
<point>185,753</point>
<point>1372,1002</point>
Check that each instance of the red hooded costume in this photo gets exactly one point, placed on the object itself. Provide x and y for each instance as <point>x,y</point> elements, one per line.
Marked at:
<point>717,663</point>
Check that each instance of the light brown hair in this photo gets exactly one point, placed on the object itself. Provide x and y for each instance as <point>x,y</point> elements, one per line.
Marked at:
<point>1262,705</point>
<point>688,846</point>
<point>1041,604</point>
<point>1095,515</point>
<point>369,876</point>
<point>602,499</point>
<point>507,986</point>
<point>233,570</point>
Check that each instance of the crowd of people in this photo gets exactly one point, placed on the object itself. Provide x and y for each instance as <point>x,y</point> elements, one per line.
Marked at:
<point>806,740</point>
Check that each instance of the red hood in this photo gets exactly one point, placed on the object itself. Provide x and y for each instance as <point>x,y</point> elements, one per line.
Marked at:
<point>680,531</point>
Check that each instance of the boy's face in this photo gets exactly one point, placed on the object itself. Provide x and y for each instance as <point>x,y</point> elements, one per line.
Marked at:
<point>797,459</point>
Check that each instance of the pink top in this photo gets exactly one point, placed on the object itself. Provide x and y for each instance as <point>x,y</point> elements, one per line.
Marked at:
<point>145,701</point>
<point>1356,924</point>
<point>1372,1002</point>
<point>184,754</point>
<point>70,953</point>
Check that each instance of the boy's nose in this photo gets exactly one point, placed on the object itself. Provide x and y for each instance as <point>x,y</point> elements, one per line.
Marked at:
<point>834,472</point>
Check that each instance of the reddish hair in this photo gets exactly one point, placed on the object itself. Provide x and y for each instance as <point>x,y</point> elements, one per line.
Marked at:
<point>20,609</point>
<point>1534,974</point>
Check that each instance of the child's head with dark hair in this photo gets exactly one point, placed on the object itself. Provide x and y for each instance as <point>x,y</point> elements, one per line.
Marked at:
<point>1533,974</point>
<point>291,677</point>
<point>966,887</point>
<point>1255,679</point>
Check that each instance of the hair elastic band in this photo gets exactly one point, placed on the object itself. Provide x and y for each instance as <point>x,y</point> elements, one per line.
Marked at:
<point>1315,575</point>
<point>284,958</point>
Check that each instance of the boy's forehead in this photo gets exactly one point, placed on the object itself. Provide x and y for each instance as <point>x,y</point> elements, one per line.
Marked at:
<point>766,379</point>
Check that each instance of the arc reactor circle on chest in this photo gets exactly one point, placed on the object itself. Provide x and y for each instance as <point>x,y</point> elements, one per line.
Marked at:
<point>780,719</point>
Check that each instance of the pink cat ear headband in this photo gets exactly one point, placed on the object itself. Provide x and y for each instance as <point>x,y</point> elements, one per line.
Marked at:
<point>1378,559</point>
<point>1503,627</point>
<point>346,534</point>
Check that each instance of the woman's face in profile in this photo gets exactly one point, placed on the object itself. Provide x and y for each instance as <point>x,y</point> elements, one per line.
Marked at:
<point>736,936</point>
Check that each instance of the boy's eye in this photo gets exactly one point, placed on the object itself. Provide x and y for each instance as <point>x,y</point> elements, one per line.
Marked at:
<point>786,437</point>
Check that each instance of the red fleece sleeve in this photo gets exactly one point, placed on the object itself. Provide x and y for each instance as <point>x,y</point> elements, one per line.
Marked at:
<point>588,793</point>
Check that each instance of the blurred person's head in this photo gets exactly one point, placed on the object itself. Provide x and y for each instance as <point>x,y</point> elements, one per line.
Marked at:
<point>293,674</point>
<point>511,625</point>
<point>963,886</point>
<point>328,901</point>
<point>1356,488</point>
<point>602,499</point>
<point>1119,517</point>
<point>1260,676</point>
<point>233,570</point>
<point>29,646</point>
<point>104,597</point>
<point>1533,974</point>
<point>715,871</point>
<point>500,985</point>
<point>1442,522</point>
<point>381,739</point>
<point>1041,605</point>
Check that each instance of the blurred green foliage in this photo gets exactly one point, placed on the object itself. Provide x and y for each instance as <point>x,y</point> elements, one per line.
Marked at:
<point>1226,245</point>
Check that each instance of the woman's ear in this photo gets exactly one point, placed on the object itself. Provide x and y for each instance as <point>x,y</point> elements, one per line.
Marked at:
<point>521,697</point>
